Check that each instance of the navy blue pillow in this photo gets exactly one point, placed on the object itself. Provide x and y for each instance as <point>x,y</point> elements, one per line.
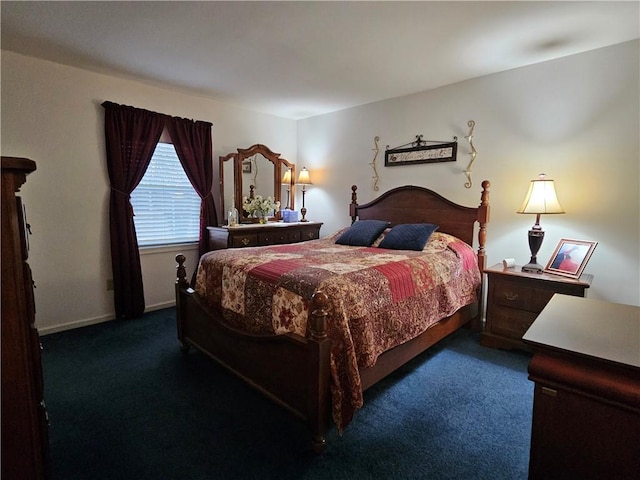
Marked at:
<point>408,236</point>
<point>362,233</point>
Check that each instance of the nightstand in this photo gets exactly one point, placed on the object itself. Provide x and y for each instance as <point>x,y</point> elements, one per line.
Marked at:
<point>515,298</point>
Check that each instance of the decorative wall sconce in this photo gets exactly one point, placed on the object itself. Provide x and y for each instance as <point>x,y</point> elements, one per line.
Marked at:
<point>373,164</point>
<point>541,198</point>
<point>304,179</point>
<point>471,124</point>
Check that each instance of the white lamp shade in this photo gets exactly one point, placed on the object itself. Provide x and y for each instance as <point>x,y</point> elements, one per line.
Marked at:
<point>286,179</point>
<point>541,198</point>
<point>303,178</point>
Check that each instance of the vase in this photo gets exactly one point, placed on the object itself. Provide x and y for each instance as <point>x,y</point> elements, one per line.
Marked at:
<point>262,218</point>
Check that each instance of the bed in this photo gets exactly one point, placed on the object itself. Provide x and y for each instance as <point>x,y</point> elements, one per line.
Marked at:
<point>339,340</point>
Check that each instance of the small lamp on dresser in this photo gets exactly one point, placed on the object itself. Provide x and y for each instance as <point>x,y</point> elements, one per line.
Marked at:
<point>286,180</point>
<point>541,198</point>
<point>304,180</point>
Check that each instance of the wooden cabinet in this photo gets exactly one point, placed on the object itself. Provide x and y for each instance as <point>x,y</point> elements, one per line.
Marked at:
<point>24,424</point>
<point>586,405</point>
<point>258,235</point>
<point>515,299</point>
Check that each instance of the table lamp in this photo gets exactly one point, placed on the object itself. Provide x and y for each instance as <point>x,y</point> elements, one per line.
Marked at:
<point>304,179</point>
<point>541,198</point>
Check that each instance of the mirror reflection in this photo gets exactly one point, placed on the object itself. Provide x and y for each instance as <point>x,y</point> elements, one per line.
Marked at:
<point>258,171</point>
<point>258,166</point>
<point>227,184</point>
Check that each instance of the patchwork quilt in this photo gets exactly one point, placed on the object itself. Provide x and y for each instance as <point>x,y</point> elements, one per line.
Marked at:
<point>378,298</point>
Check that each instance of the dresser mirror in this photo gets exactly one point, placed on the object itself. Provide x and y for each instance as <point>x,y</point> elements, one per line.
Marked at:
<point>255,166</point>
<point>227,165</point>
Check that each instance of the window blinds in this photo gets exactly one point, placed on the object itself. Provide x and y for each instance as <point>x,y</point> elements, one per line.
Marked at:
<point>165,205</point>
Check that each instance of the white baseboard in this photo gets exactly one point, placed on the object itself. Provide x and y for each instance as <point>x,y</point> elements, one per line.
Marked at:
<point>95,320</point>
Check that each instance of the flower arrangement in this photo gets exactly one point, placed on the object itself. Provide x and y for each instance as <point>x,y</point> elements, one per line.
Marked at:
<point>259,206</point>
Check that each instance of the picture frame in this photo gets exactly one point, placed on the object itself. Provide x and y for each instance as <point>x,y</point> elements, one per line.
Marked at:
<point>246,166</point>
<point>442,152</point>
<point>570,257</point>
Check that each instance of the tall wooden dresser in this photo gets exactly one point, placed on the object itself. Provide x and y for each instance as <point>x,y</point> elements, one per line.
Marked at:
<point>24,423</point>
<point>586,401</point>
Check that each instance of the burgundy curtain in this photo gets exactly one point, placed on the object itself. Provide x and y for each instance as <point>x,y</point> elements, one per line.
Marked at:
<point>131,138</point>
<point>192,141</point>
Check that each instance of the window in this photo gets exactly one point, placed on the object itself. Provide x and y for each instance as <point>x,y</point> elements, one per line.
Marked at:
<point>165,205</point>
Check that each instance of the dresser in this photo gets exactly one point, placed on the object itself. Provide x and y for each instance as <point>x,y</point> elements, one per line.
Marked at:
<point>586,404</point>
<point>258,235</point>
<point>24,423</point>
<point>515,298</point>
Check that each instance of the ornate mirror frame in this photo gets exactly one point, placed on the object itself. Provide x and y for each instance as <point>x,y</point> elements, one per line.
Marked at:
<point>228,171</point>
<point>245,155</point>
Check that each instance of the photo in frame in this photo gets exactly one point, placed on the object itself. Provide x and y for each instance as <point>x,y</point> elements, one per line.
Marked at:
<point>570,257</point>
<point>246,166</point>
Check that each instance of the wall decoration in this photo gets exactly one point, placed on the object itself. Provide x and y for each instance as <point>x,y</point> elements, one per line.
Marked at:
<point>374,166</point>
<point>421,151</point>
<point>471,124</point>
<point>570,257</point>
<point>246,166</point>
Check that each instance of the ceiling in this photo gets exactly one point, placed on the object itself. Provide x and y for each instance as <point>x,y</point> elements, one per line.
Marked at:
<point>301,59</point>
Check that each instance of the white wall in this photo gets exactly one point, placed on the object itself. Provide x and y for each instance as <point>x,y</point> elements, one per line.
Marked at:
<point>53,115</point>
<point>575,119</point>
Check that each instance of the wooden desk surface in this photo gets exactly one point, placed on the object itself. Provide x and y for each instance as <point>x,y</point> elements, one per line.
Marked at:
<point>584,326</point>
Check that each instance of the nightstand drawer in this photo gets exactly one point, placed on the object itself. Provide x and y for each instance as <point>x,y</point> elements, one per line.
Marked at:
<point>521,297</point>
<point>511,323</point>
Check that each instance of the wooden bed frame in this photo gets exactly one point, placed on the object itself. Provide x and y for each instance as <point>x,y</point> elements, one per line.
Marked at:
<point>303,387</point>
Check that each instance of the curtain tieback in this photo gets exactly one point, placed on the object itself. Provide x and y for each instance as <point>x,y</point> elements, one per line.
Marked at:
<point>120,192</point>
<point>128,197</point>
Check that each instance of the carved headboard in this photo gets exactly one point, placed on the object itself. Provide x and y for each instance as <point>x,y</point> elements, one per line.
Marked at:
<point>413,204</point>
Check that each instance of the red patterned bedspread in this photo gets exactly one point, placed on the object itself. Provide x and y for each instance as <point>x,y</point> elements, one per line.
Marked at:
<point>378,298</point>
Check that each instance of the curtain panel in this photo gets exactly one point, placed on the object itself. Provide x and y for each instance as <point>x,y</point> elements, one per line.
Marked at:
<point>131,136</point>
<point>192,141</point>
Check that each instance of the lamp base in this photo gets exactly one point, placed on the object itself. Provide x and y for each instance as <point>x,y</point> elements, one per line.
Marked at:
<point>532,268</point>
<point>536,235</point>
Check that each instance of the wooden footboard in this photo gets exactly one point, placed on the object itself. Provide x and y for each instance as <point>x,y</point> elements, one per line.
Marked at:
<point>302,386</point>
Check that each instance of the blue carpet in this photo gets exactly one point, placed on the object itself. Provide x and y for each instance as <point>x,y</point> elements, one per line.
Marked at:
<point>125,403</point>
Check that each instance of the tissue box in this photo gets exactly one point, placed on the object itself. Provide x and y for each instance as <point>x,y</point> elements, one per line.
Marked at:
<point>289,216</point>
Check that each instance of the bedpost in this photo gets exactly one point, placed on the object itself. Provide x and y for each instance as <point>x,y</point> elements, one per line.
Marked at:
<point>483,219</point>
<point>318,327</point>
<point>319,401</point>
<point>354,203</point>
<point>181,284</point>
<point>181,271</point>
